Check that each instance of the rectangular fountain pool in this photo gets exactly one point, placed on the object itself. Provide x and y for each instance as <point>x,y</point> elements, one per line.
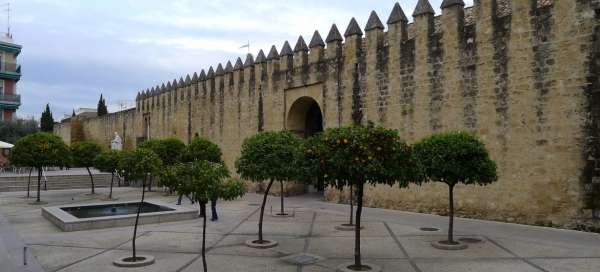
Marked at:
<point>113,209</point>
<point>117,214</point>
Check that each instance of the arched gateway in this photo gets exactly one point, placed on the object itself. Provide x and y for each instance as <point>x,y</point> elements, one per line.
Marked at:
<point>304,117</point>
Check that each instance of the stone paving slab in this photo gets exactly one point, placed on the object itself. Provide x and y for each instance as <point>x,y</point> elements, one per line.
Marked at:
<point>371,229</point>
<point>218,263</point>
<point>165,262</point>
<point>330,265</point>
<point>537,248</point>
<point>569,265</point>
<point>343,247</point>
<point>234,245</point>
<point>475,265</point>
<point>172,242</point>
<point>420,247</point>
<point>55,257</point>
<point>275,228</point>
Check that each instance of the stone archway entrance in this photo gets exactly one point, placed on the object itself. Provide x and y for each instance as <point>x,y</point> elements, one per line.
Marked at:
<point>304,117</point>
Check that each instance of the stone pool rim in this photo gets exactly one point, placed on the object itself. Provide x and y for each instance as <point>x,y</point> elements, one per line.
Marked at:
<point>68,222</point>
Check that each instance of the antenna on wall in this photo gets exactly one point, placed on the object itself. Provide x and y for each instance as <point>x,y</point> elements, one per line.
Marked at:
<point>6,7</point>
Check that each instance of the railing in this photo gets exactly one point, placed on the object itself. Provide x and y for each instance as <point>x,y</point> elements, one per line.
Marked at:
<point>10,67</point>
<point>11,98</point>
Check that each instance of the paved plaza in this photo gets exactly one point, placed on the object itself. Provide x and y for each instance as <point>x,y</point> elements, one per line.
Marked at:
<point>391,239</point>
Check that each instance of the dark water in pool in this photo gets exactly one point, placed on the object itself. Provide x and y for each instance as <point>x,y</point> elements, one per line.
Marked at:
<point>113,209</point>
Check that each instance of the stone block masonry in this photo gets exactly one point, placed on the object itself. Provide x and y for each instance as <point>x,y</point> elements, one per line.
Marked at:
<point>521,74</point>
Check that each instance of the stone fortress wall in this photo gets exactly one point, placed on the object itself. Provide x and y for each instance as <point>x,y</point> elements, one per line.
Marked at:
<point>521,74</point>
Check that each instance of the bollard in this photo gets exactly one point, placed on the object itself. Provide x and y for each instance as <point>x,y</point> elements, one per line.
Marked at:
<point>24,255</point>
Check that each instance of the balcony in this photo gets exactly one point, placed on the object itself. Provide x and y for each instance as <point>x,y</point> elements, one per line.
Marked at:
<point>10,70</point>
<point>10,101</point>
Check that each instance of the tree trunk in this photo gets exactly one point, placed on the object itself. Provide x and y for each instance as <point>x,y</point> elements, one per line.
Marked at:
<point>91,179</point>
<point>351,205</point>
<point>29,181</point>
<point>213,210</point>
<point>150,184</point>
<point>451,214</point>
<point>39,184</point>
<point>357,257</point>
<point>204,240</point>
<point>262,212</point>
<point>282,212</point>
<point>112,178</point>
<point>202,209</point>
<point>137,217</point>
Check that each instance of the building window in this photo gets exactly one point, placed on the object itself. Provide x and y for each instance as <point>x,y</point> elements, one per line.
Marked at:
<point>1,86</point>
<point>1,115</point>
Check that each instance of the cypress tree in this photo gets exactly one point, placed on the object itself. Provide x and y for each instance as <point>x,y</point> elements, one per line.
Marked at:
<point>46,121</point>
<point>102,110</point>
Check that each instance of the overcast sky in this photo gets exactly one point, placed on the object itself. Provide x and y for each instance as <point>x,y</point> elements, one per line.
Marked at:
<point>73,50</point>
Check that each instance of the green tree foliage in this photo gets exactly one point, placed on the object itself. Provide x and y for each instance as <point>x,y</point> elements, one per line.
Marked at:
<point>83,155</point>
<point>168,150</point>
<point>202,149</point>
<point>39,150</point>
<point>205,181</point>
<point>356,155</point>
<point>101,109</point>
<point>269,156</point>
<point>135,165</point>
<point>108,161</point>
<point>13,130</point>
<point>452,158</point>
<point>46,121</point>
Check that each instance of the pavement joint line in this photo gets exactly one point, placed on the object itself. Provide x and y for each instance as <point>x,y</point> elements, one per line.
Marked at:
<point>69,246</point>
<point>99,253</point>
<point>514,254</point>
<point>186,265</point>
<point>300,267</point>
<point>410,261</point>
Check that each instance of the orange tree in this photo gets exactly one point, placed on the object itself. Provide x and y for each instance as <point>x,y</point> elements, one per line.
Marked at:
<point>108,161</point>
<point>269,156</point>
<point>205,181</point>
<point>136,165</point>
<point>356,155</point>
<point>40,150</point>
<point>168,150</point>
<point>83,155</point>
<point>452,158</point>
<point>312,169</point>
<point>200,149</point>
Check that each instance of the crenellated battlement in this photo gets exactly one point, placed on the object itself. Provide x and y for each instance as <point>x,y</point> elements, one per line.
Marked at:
<point>521,74</point>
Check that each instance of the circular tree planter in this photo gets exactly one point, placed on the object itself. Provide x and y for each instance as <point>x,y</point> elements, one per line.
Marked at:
<point>349,267</point>
<point>140,260</point>
<point>261,245</point>
<point>347,227</point>
<point>445,245</point>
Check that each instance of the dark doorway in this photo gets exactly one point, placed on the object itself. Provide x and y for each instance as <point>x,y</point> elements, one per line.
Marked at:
<point>314,121</point>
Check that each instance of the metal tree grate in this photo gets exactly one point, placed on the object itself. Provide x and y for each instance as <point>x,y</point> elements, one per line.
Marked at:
<point>302,259</point>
